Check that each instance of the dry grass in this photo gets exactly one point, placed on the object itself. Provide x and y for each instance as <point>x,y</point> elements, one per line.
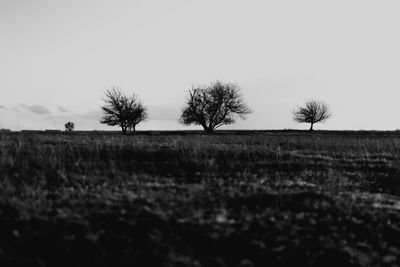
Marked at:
<point>188,199</point>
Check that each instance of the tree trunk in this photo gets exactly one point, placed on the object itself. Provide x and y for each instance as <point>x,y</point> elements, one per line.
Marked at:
<point>208,130</point>
<point>311,128</point>
<point>134,128</point>
<point>123,129</point>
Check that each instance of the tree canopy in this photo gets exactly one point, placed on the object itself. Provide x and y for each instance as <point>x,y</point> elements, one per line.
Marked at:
<point>312,112</point>
<point>69,126</point>
<point>213,106</point>
<point>122,110</point>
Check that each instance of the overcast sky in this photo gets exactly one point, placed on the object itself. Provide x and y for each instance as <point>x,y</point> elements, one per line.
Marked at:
<point>58,57</point>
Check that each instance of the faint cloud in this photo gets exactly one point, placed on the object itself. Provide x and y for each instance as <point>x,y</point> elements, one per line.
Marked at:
<point>91,115</point>
<point>37,109</point>
<point>62,109</point>
<point>156,112</point>
<point>63,117</point>
<point>163,112</point>
<point>2,107</point>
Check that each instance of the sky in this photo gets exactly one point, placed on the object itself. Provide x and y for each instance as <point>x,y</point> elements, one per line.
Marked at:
<point>58,57</point>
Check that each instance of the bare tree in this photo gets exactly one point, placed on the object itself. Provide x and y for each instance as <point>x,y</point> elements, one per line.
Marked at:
<point>69,126</point>
<point>312,112</point>
<point>213,106</point>
<point>122,110</point>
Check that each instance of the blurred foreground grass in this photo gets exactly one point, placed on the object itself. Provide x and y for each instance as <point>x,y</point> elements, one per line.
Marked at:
<point>170,199</point>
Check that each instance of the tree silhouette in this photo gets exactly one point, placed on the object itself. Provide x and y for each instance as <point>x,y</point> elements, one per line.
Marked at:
<point>122,110</point>
<point>69,126</point>
<point>213,106</point>
<point>312,112</point>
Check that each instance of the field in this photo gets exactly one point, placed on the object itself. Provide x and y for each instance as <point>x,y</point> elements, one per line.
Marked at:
<point>272,198</point>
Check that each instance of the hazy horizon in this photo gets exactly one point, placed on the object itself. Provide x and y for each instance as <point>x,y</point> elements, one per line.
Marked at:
<point>58,58</point>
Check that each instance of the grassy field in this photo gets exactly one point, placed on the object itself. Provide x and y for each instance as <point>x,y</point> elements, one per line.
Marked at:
<point>277,198</point>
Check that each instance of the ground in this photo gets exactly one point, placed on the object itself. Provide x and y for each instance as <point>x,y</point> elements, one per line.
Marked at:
<point>259,198</point>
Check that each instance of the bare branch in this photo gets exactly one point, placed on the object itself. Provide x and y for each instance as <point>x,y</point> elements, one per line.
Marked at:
<point>213,106</point>
<point>312,112</point>
<point>121,110</point>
